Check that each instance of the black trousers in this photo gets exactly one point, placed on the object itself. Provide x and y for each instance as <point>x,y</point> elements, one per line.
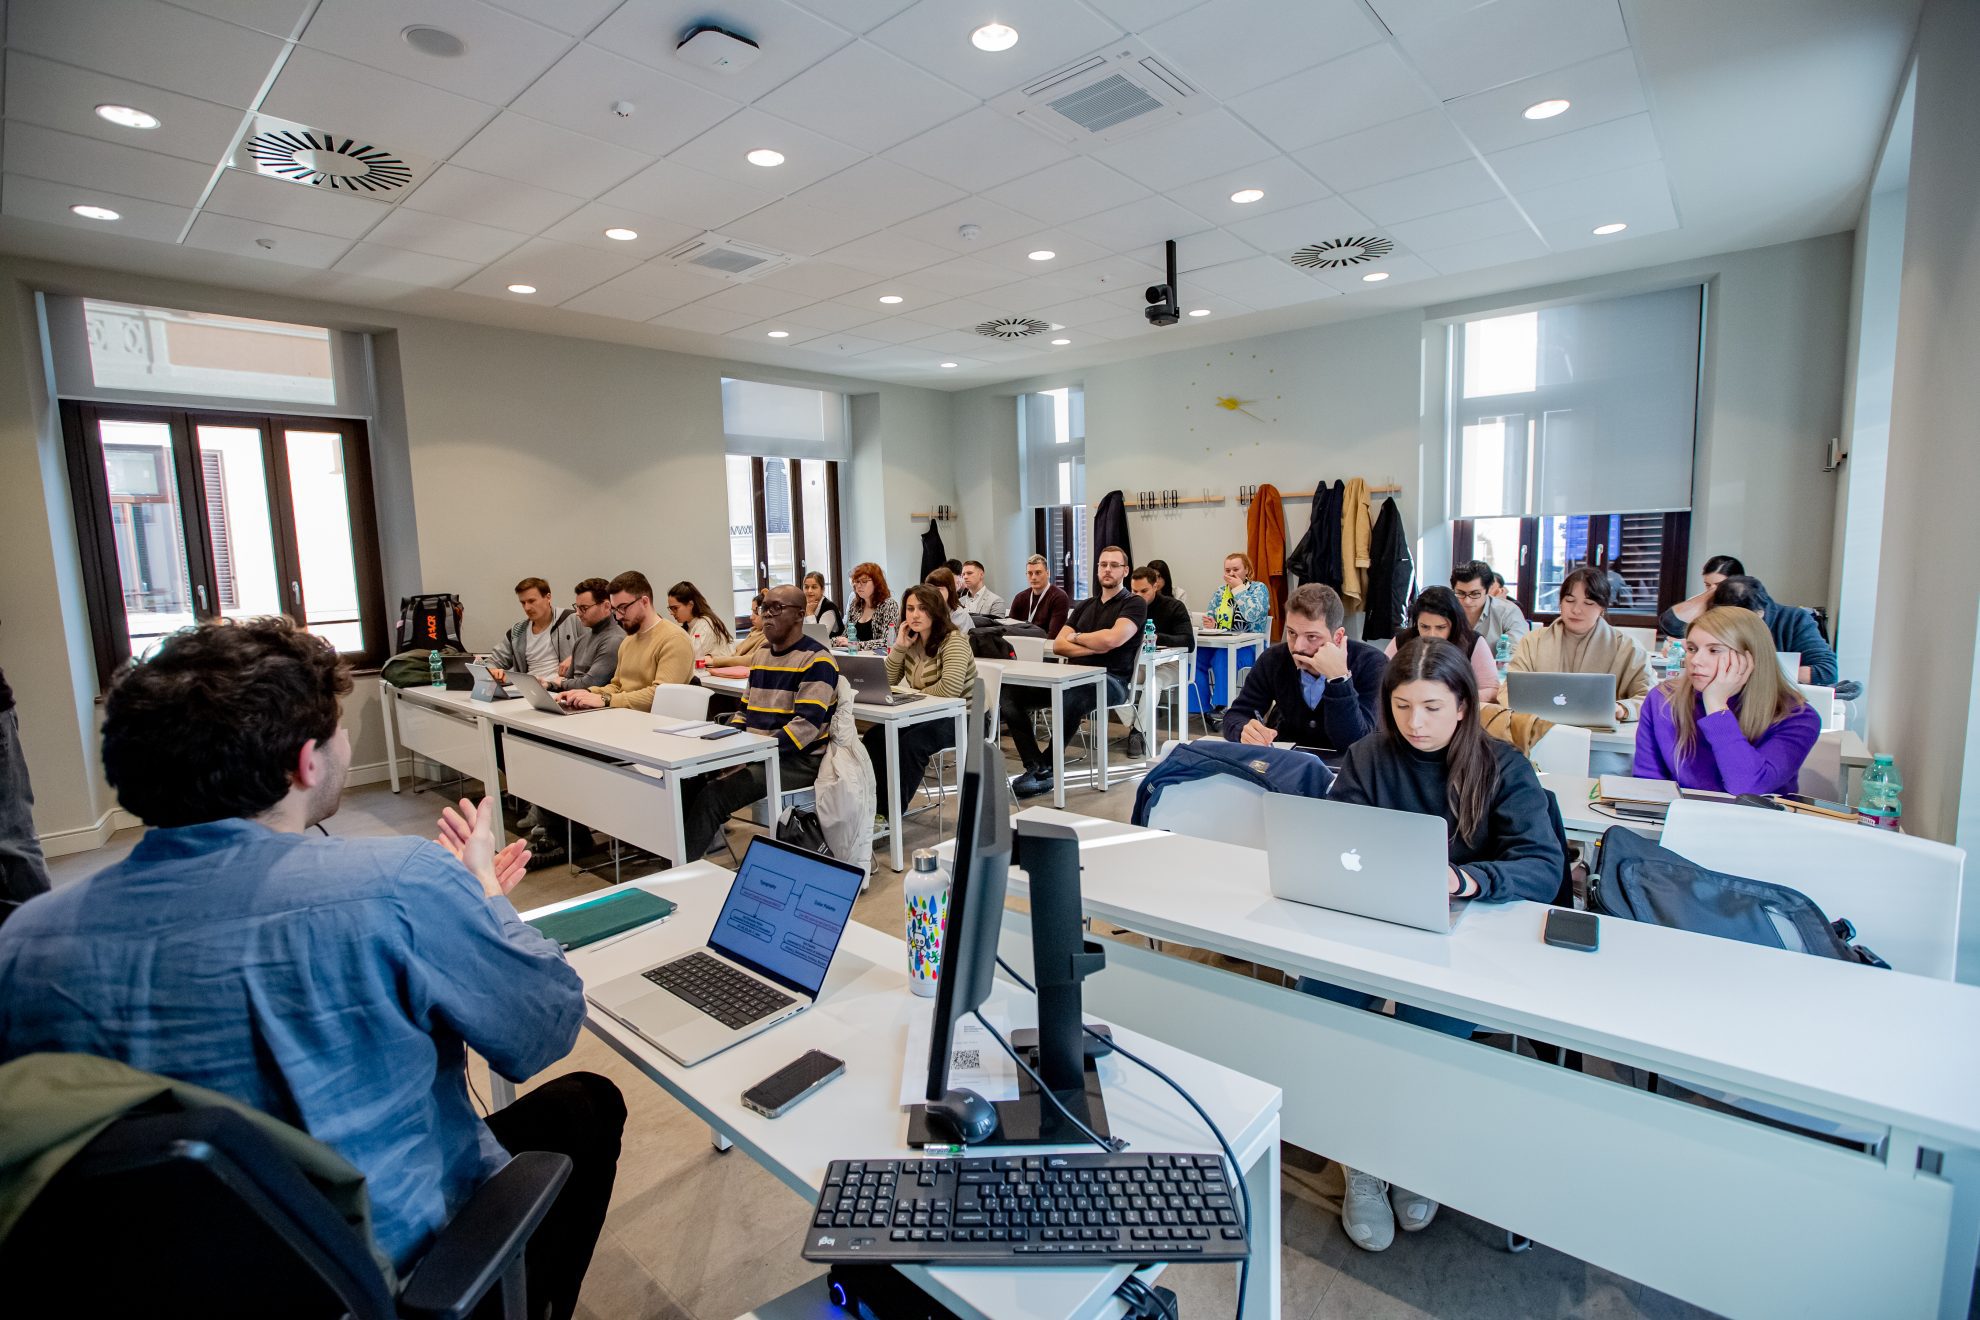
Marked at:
<point>919,743</point>
<point>581,1115</point>
<point>707,800</point>
<point>1018,703</point>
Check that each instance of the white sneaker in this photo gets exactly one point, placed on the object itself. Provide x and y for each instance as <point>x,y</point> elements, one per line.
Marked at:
<point>1413,1211</point>
<point>1365,1212</point>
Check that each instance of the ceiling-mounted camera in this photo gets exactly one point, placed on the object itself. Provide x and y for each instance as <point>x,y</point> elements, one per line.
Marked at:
<point>1162,309</point>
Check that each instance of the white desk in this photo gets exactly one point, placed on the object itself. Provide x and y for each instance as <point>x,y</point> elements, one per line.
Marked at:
<point>862,1017</point>
<point>442,726</point>
<point>1056,679</point>
<point>1578,813</point>
<point>1230,644</point>
<point>1741,1218</point>
<point>1178,660</point>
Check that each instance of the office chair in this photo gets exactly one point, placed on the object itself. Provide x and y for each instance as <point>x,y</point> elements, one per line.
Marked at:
<point>198,1213</point>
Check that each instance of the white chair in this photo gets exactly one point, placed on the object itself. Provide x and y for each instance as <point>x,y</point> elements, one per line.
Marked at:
<point>1901,894</point>
<point>1563,750</point>
<point>1823,699</point>
<point>1822,774</point>
<point>1643,637</point>
<point>682,701</point>
<point>1027,648</point>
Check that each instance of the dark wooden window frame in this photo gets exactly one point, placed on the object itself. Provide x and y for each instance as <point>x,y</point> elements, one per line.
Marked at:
<point>90,495</point>
<point>793,484</point>
<point>1676,549</point>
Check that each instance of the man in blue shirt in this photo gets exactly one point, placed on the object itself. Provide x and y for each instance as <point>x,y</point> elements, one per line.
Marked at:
<point>336,984</point>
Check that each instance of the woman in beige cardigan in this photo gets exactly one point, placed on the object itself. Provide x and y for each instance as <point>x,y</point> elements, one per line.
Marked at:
<point>1581,641</point>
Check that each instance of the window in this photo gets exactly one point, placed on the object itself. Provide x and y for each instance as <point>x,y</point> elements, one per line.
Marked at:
<point>1571,436</point>
<point>1052,482</point>
<point>784,446</point>
<point>185,516</point>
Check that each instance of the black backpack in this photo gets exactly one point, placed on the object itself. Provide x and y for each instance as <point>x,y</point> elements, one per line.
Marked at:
<point>429,621</point>
<point>986,642</point>
<point>1644,881</point>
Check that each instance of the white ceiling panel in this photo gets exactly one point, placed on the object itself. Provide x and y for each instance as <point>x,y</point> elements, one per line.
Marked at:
<point>1137,227</point>
<point>517,147</point>
<point>1409,145</point>
<point>1071,251</point>
<point>941,226</point>
<point>1067,191</point>
<point>1639,197</point>
<point>935,35</point>
<point>1262,282</point>
<point>1141,15</point>
<point>675,192</point>
<point>808,157</point>
<point>704,319</point>
<point>1215,303</point>
<point>1446,188</point>
<point>819,279</point>
<point>1130,325</point>
<point>791,40</point>
<point>483,198</point>
<point>155,44</point>
<point>856,15</point>
<point>580,91</point>
<point>1297,226</point>
<point>558,270</point>
<point>396,113</point>
<point>93,163</point>
<point>1464,48</point>
<point>1353,280</point>
<point>1282,181</point>
<point>914,297</point>
<point>586,227</point>
<point>840,344</point>
<point>908,358</point>
<point>38,199</point>
<point>1347,95</point>
<point>886,254</point>
<point>504,53</point>
<point>1212,247</point>
<point>957,313</point>
<point>864,96</point>
<point>793,334</point>
<point>278,18</point>
<point>1187,150</point>
<point>959,341</point>
<point>375,261</point>
<point>1486,220</point>
<point>246,238</point>
<point>1478,253</point>
<point>576,17</point>
<point>644,293</point>
<point>1080,311</point>
<point>1597,91</point>
<point>978,150</point>
<point>444,236</point>
<point>965,277</point>
<point>1596,150</point>
<point>60,96</point>
<point>879,190</point>
<point>1026,296</point>
<point>829,316</point>
<point>792,226</point>
<point>897,329</point>
<point>318,210</point>
<point>1230,47</point>
<point>755,299</point>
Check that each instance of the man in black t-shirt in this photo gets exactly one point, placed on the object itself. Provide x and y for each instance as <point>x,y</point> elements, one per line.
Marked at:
<point>1103,630</point>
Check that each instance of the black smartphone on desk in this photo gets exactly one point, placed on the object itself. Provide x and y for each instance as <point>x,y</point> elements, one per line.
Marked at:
<point>793,1082</point>
<point>1568,929</point>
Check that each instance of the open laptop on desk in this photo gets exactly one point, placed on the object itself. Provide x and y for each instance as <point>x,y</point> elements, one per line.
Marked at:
<point>868,676</point>
<point>764,961</point>
<point>537,695</point>
<point>1586,700</point>
<point>1368,861</point>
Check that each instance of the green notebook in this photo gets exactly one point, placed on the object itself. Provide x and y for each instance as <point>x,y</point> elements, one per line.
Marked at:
<point>573,928</point>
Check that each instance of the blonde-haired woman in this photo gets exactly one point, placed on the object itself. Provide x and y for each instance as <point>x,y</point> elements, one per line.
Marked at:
<point>1729,721</point>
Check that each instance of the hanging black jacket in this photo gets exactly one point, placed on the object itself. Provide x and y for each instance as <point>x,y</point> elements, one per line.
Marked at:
<point>1386,586</point>
<point>1110,527</point>
<point>933,556</point>
<point>1317,557</point>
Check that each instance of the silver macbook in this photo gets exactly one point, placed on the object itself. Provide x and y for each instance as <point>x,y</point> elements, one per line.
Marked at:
<point>539,696</point>
<point>765,960</point>
<point>1368,861</point>
<point>1588,700</point>
<point>819,633</point>
<point>868,676</point>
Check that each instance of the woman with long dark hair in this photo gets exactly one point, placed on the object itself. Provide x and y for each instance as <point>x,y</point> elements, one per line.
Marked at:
<point>930,654</point>
<point>1436,613</point>
<point>703,625</point>
<point>1431,755</point>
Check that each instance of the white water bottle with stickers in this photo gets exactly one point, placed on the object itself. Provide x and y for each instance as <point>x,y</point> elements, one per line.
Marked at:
<point>926,889</point>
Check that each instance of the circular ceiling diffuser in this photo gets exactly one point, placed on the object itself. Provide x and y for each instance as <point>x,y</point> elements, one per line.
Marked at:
<point>322,160</point>
<point>1012,327</point>
<point>1338,253</point>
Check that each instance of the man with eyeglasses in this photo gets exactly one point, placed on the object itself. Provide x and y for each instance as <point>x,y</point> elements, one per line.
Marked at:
<point>594,657</point>
<point>1490,616</point>
<point>655,650</point>
<point>1103,630</point>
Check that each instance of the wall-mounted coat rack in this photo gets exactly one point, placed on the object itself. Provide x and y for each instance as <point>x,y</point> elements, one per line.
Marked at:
<point>1155,501</point>
<point>1246,494</point>
<point>940,513</point>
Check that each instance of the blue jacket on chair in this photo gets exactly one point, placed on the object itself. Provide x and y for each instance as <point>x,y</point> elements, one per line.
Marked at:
<point>1274,769</point>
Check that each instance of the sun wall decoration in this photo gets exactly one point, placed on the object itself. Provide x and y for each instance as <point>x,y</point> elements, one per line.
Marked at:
<point>1232,403</point>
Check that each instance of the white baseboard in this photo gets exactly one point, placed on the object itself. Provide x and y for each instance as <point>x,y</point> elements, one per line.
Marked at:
<point>61,843</point>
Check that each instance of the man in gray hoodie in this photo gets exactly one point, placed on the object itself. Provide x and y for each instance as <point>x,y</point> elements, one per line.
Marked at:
<point>541,642</point>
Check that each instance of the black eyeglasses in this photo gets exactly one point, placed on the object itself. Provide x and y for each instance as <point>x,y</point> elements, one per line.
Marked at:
<point>770,608</point>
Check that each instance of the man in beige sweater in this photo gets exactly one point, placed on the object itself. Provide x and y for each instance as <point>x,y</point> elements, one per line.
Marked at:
<point>655,651</point>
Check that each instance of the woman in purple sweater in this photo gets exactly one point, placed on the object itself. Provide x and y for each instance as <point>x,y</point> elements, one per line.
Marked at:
<point>1729,721</point>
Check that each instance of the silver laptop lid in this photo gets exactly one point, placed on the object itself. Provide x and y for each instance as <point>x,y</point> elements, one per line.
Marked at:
<point>1586,699</point>
<point>819,633</point>
<point>534,692</point>
<point>865,672</point>
<point>1367,861</point>
<point>785,914</point>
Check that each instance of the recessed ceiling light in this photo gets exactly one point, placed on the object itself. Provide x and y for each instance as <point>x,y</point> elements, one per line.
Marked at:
<point>765,157</point>
<point>1616,228</point>
<point>947,365</point>
<point>1060,343</point>
<point>994,37</point>
<point>1042,254</point>
<point>780,334</point>
<point>434,41</point>
<point>522,288</point>
<point>1246,196</point>
<point>1200,311</point>
<point>95,213</point>
<point>1375,277</point>
<point>1546,109</point>
<point>890,298</point>
<point>623,235</point>
<point>127,116</point>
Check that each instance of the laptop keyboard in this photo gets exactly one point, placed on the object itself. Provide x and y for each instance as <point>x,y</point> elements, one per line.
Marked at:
<point>730,997</point>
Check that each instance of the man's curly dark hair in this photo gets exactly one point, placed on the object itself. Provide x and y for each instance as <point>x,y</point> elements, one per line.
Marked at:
<point>210,726</point>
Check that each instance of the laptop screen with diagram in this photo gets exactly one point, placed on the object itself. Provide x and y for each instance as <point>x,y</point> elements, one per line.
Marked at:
<point>785,914</point>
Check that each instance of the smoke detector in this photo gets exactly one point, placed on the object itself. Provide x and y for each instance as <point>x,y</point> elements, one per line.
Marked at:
<point>318,158</point>
<point>1123,91</point>
<point>1012,327</point>
<point>727,258</point>
<point>717,49</point>
<point>1341,253</point>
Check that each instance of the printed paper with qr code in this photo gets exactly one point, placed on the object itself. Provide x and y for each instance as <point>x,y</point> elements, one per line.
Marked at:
<point>976,1060</point>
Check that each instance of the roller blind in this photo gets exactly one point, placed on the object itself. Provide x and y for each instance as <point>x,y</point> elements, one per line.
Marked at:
<point>783,421</point>
<point>1052,447</point>
<point>1569,409</point>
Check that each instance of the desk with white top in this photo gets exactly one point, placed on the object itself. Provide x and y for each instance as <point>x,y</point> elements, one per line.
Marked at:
<point>1724,1212</point>
<point>1230,644</point>
<point>862,1017</point>
<point>1056,678</point>
<point>1855,754</point>
<point>1578,812</point>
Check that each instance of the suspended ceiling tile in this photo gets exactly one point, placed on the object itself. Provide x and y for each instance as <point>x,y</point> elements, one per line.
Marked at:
<point>1070,249</point>
<point>485,199</point>
<point>978,150</point>
<point>1466,183</point>
<point>1263,282</point>
<point>1187,150</point>
<point>792,334</point>
<point>755,299</point>
<point>879,191</point>
<point>644,293</point>
<point>278,18</point>
<point>1296,226</point>
<point>1450,228</point>
<point>674,192</point>
<point>317,210</point>
<point>864,96</point>
<point>965,276</point>
<point>1479,253</point>
<point>841,344</point>
<point>1228,47</point>
<point>444,236</point>
<point>155,44</point>
<point>934,34</point>
<point>1353,280</point>
<point>1139,228</point>
<point>1357,91</point>
<point>856,15</point>
<point>60,96</point>
<point>792,226</point>
<point>517,147</point>
<point>1597,91</point>
<point>396,113</point>
<point>89,162</point>
<point>828,315</point>
<point>264,242</point>
<point>575,17</point>
<point>1211,247</point>
<point>705,319</point>
<point>38,199</point>
<point>1598,149</point>
<point>1280,178</point>
<point>504,52</point>
<point>582,90</point>
<point>886,253</point>
<point>790,39</point>
<point>942,227</point>
<point>1409,145</point>
<point>1464,48</point>
<point>375,261</point>
<point>1068,191</point>
<point>817,279</point>
<point>1639,197</point>
<point>723,150</point>
<point>586,227</point>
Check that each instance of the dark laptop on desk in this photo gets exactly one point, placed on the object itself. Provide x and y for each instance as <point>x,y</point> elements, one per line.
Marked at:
<point>868,676</point>
<point>765,960</point>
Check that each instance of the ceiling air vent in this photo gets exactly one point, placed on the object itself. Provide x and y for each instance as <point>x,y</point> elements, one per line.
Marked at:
<point>1124,90</point>
<point>727,258</point>
<point>1340,253</point>
<point>1012,327</point>
<point>318,158</point>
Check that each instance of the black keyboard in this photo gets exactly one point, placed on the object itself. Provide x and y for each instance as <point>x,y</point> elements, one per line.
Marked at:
<point>1084,1208</point>
<point>731,997</point>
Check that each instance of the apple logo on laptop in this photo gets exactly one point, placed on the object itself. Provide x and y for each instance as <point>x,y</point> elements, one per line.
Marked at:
<point>1351,859</point>
<point>1560,698</point>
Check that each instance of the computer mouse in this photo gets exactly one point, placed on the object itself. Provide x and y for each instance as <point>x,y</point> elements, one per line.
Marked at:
<point>963,1116</point>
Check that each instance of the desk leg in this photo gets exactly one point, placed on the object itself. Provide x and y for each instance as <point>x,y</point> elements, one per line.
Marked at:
<point>388,706</point>
<point>1261,1296</point>
<point>678,855</point>
<point>773,789</point>
<point>717,1140</point>
<point>962,750</point>
<point>895,858</point>
<point>1059,746</point>
<point>1151,705</point>
<point>1230,676</point>
<point>1962,1169</point>
<point>491,776</point>
<point>1100,716</point>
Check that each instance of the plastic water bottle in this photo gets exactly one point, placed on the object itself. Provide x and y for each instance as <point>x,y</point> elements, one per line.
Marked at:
<point>1503,652</point>
<point>926,889</point>
<point>1881,786</point>
<point>1673,654</point>
<point>1148,637</point>
<point>436,673</point>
